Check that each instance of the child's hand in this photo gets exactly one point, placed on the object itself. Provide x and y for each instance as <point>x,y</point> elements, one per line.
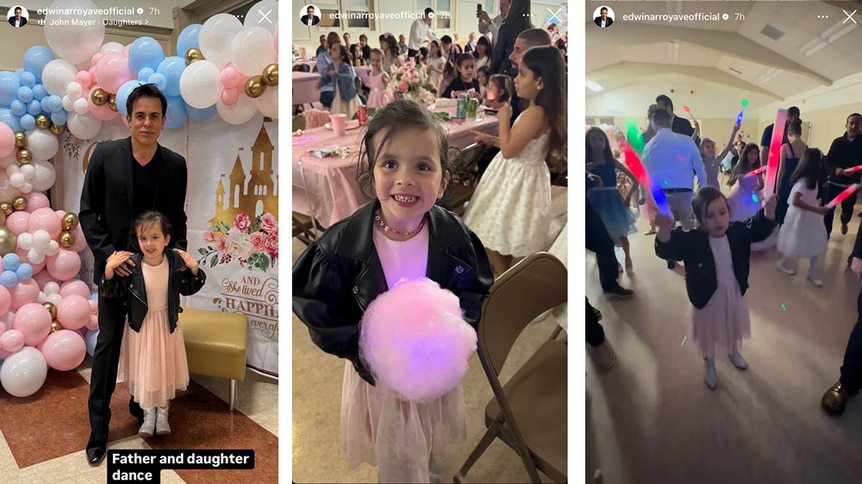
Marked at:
<point>504,113</point>
<point>484,138</point>
<point>665,225</point>
<point>824,210</point>
<point>769,207</point>
<point>188,260</point>
<point>114,263</point>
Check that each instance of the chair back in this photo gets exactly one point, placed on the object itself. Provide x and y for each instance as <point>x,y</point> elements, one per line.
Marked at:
<point>298,122</point>
<point>533,286</point>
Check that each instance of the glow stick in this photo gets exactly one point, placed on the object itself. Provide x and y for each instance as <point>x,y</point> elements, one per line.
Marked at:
<point>688,110</point>
<point>639,171</point>
<point>756,171</point>
<point>841,196</point>
<point>853,169</point>
<point>739,117</point>
<point>774,152</point>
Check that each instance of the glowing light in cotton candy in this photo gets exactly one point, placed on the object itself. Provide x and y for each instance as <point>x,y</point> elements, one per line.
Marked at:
<point>415,341</point>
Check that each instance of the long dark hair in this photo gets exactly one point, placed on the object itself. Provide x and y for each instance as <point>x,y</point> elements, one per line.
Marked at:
<point>489,52</point>
<point>808,168</point>
<point>742,164</point>
<point>607,154</point>
<point>146,220</point>
<point>547,62</point>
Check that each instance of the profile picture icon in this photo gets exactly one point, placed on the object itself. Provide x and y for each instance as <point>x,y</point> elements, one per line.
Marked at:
<point>604,16</point>
<point>309,15</point>
<point>17,16</point>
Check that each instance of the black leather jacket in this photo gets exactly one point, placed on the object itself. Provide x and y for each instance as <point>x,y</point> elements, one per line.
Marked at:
<point>132,288</point>
<point>338,276</point>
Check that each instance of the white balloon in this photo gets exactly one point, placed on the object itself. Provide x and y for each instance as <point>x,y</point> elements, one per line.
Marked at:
<point>68,103</point>
<point>28,170</point>
<point>43,144</point>
<point>42,297</point>
<point>263,14</point>
<point>267,103</point>
<point>53,248</point>
<point>115,47</point>
<point>74,42</point>
<point>199,84</point>
<point>52,288</point>
<point>44,176</point>
<point>17,180</point>
<point>25,240</point>
<point>80,106</point>
<point>27,187</point>
<point>252,50</point>
<point>12,169</point>
<point>241,112</point>
<point>35,256</point>
<point>83,126</point>
<point>74,90</point>
<point>54,299</point>
<point>24,372</point>
<point>215,39</point>
<point>56,75</point>
<point>41,239</point>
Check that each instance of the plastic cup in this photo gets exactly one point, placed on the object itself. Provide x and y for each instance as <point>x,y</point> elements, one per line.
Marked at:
<point>339,124</point>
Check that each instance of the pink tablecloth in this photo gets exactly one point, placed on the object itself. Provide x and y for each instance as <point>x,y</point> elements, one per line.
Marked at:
<point>303,87</point>
<point>326,188</point>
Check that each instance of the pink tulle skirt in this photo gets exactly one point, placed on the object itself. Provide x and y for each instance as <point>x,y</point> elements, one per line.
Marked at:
<point>397,436</point>
<point>154,362</point>
<point>723,323</point>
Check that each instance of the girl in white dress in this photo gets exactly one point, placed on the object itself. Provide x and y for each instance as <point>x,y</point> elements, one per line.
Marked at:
<point>803,233</point>
<point>510,210</point>
<point>435,64</point>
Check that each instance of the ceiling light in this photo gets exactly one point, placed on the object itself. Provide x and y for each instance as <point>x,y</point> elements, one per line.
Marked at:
<point>593,86</point>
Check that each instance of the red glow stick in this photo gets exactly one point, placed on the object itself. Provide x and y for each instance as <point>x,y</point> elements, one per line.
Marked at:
<point>774,153</point>
<point>841,196</point>
<point>756,171</point>
<point>637,168</point>
<point>852,169</point>
<point>688,110</point>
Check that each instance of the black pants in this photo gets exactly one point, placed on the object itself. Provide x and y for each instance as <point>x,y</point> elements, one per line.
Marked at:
<point>599,241</point>
<point>106,359</point>
<point>595,332</point>
<point>851,370</point>
<point>846,207</point>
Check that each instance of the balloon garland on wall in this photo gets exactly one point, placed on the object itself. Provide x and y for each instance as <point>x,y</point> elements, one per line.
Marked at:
<point>47,315</point>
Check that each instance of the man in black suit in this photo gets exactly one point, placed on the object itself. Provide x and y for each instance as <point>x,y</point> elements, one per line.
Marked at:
<point>18,20</point>
<point>604,21</point>
<point>125,178</point>
<point>309,18</point>
<point>677,124</point>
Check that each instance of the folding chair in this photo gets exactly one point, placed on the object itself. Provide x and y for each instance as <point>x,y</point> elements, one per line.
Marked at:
<point>303,228</point>
<point>465,177</point>
<point>529,412</point>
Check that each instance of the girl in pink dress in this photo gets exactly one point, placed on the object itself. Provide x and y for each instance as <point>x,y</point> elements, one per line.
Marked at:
<point>378,80</point>
<point>716,257</point>
<point>153,353</point>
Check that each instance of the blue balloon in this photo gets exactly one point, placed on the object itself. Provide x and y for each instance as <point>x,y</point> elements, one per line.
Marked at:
<point>11,261</point>
<point>28,122</point>
<point>159,80</point>
<point>35,108</point>
<point>188,39</point>
<point>35,60</point>
<point>145,74</point>
<point>24,272</point>
<point>172,68</point>
<point>10,119</point>
<point>27,79</point>
<point>8,279</point>
<point>45,104</point>
<point>59,117</point>
<point>9,84</point>
<point>55,102</point>
<point>202,114</point>
<point>39,92</point>
<point>123,95</point>
<point>176,113</point>
<point>25,94</point>
<point>94,296</point>
<point>18,108</point>
<point>145,52</point>
<point>90,341</point>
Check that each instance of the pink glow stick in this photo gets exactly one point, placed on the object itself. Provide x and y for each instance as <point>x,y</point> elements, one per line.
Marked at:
<point>841,196</point>
<point>756,171</point>
<point>853,169</point>
<point>774,153</point>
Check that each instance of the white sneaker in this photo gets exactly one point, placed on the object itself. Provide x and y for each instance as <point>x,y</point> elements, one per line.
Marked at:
<point>737,360</point>
<point>817,282</point>
<point>710,378</point>
<point>149,424</point>
<point>162,425</point>
<point>787,270</point>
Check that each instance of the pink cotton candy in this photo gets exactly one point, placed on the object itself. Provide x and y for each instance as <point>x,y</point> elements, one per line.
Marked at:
<point>415,341</point>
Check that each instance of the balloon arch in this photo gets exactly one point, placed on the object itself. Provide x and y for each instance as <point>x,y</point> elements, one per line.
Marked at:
<point>48,318</point>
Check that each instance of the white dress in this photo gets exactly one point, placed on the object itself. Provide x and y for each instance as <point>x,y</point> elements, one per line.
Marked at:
<point>803,233</point>
<point>511,208</point>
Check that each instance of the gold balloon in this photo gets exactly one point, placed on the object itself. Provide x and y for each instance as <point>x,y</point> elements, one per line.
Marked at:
<point>20,203</point>
<point>67,239</point>
<point>7,208</point>
<point>20,140</point>
<point>52,310</point>
<point>55,326</point>
<point>43,121</point>
<point>70,221</point>
<point>193,55</point>
<point>24,156</point>
<point>270,75</point>
<point>99,97</point>
<point>58,129</point>
<point>112,102</point>
<point>8,242</point>
<point>254,87</point>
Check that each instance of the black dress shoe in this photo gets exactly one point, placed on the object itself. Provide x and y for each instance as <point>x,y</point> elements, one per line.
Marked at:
<point>671,264</point>
<point>620,292</point>
<point>136,410</point>
<point>96,448</point>
<point>835,399</point>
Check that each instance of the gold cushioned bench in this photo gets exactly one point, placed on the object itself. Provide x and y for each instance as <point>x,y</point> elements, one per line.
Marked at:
<point>215,344</point>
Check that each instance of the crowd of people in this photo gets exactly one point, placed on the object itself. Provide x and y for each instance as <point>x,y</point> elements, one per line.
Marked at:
<point>718,232</point>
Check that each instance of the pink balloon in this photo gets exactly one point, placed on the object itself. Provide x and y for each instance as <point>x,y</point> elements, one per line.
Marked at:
<point>18,222</point>
<point>65,265</point>
<point>34,322</point>
<point>42,278</point>
<point>36,200</point>
<point>64,350</point>
<point>229,76</point>
<point>97,57</point>
<point>113,71</point>
<point>94,307</point>
<point>44,219</point>
<point>229,97</point>
<point>12,340</point>
<point>73,312</point>
<point>80,241</point>
<point>25,292</point>
<point>103,112</point>
<point>93,323</point>
<point>275,39</point>
<point>126,51</point>
<point>7,140</point>
<point>5,302</point>
<point>84,78</point>
<point>75,287</point>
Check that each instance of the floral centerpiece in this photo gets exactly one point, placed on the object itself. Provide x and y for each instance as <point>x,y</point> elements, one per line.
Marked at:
<point>409,82</point>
